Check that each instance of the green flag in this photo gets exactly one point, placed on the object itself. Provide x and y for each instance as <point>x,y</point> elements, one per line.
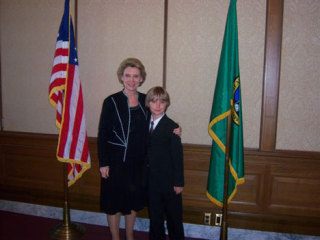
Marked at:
<point>226,101</point>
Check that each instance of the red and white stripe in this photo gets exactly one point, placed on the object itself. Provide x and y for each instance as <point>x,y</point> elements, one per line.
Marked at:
<point>65,95</point>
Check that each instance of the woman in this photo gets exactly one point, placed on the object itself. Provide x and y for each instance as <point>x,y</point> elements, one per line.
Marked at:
<point>122,147</point>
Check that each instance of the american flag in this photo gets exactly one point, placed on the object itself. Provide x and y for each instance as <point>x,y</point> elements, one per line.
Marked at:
<point>65,95</point>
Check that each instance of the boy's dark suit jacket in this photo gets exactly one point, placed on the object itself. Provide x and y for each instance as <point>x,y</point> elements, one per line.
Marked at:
<point>165,157</point>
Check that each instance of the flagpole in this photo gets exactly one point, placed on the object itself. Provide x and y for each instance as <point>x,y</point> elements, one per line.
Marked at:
<point>225,126</point>
<point>224,225</point>
<point>66,230</point>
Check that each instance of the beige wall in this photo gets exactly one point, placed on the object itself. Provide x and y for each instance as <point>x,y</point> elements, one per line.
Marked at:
<point>195,32</point>
<point>109,31</point>
<point>299,100</point>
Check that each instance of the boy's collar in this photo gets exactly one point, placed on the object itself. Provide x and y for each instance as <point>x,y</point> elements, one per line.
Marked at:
<point>157,119</point>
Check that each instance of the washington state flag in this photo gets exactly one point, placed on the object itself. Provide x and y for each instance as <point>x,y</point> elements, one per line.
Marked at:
<point>226,101</point>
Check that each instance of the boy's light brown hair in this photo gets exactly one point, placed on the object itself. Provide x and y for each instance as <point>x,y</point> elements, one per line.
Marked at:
<point>156,93</point>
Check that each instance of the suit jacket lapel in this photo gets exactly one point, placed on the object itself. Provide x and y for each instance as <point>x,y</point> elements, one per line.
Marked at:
<point>160,124</point>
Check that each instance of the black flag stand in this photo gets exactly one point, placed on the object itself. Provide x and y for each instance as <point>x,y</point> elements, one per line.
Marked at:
<point>224,225</point>
<point>66,230</point>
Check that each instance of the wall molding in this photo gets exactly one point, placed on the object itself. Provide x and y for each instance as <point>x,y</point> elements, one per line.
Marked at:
<point>281,192</point>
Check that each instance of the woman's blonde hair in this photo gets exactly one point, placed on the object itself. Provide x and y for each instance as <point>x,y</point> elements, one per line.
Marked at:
<point>131,62</point>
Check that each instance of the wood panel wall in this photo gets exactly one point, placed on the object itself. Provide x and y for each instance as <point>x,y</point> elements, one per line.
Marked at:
<point>281,193</point>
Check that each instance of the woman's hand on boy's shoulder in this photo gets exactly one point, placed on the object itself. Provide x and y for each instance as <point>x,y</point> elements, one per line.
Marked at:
<point>178,131</point>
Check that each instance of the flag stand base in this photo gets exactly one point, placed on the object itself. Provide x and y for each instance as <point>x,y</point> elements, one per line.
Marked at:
<point>70,231</point>
<point>67,230</point>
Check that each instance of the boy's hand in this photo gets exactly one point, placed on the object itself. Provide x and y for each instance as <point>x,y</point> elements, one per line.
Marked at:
<point>178,190</point>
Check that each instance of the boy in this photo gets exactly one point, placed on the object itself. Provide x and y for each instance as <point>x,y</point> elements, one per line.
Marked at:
<point>165,161</point>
